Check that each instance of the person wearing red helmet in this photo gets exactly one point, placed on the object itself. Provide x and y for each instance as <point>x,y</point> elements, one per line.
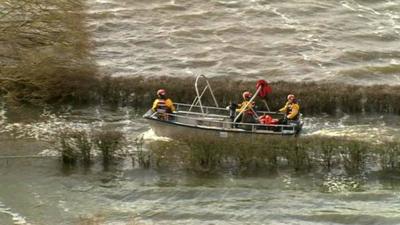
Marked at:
<point>291,108</point>
<point>163,105</point>
<point>246,108</point>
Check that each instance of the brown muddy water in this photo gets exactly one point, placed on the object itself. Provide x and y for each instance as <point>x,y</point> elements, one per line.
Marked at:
<point>351,41</point>
<point>37,189</point>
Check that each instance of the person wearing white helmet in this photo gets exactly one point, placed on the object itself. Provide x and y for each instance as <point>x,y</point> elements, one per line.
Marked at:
<point>163,105</point>
<point>291,108</point>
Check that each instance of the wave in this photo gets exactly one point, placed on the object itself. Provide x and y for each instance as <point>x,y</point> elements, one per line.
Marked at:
<point>15,217</point>
<point>363,56</point>
<point>393,69</point>
<point>344,218</point>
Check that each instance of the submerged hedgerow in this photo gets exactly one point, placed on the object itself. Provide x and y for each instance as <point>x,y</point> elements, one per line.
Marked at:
<point>314,98</point>
<point>270,153</point>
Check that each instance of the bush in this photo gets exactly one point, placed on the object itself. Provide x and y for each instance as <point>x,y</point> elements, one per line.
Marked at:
<point>75,145</point>
<point>108,142</point>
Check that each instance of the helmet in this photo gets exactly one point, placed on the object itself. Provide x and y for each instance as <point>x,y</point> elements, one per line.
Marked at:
<point>161,92</point>
<point>247,94</point>
<point>290,97</point>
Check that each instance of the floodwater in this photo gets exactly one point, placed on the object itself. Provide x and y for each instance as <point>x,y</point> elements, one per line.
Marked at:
<point>36,189</point>
<point>350,41</point>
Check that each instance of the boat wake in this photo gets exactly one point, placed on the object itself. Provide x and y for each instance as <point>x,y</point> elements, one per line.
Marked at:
<point>151,136</point>
<point>15,217</point>
<point>364,128</point>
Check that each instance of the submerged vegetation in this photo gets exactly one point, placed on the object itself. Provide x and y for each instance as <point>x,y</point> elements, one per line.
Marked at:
<point>45,53</point>
<point>81,145</point>
<point>315,98</point>
<point>272,153</point>
<point>108,142</point>
<point>45,59</point>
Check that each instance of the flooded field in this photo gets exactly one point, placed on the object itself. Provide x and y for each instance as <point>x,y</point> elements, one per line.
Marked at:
<point>352,41</point>
<point>37,189</point>
<point>84,67</point>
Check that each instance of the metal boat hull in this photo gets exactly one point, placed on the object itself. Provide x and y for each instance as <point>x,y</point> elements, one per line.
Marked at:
<point>180,131</point>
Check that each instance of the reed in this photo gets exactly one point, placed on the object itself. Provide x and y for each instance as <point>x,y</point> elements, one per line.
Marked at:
<point>354,155</point>
<point>69,156</point>
<point>141,156</point>
<point>84,144</point>
<point>327,153</point>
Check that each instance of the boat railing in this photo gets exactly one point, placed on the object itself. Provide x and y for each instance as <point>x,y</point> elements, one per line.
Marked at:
<point>181,107</point>
<point>197,100</point>
<point>201,114</point>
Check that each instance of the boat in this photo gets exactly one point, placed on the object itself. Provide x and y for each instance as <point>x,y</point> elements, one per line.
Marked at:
<point>197,119</point>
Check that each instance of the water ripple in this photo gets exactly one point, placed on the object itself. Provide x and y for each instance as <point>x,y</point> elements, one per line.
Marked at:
<point>307,40</point>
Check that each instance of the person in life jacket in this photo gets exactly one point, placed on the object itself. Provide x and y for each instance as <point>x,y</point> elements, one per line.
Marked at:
<point>163,105</point>
<point>291,108</point>
<point>246,108</point>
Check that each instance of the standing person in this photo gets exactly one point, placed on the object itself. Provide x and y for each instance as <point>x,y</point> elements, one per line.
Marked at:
<point>247,108</point>
<point>163,105</point>
<point>291,109</point>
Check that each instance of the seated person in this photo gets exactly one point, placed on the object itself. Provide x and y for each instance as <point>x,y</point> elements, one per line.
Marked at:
<point>291,110</point>
<point>163,105</point>
<point>246,108</point>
